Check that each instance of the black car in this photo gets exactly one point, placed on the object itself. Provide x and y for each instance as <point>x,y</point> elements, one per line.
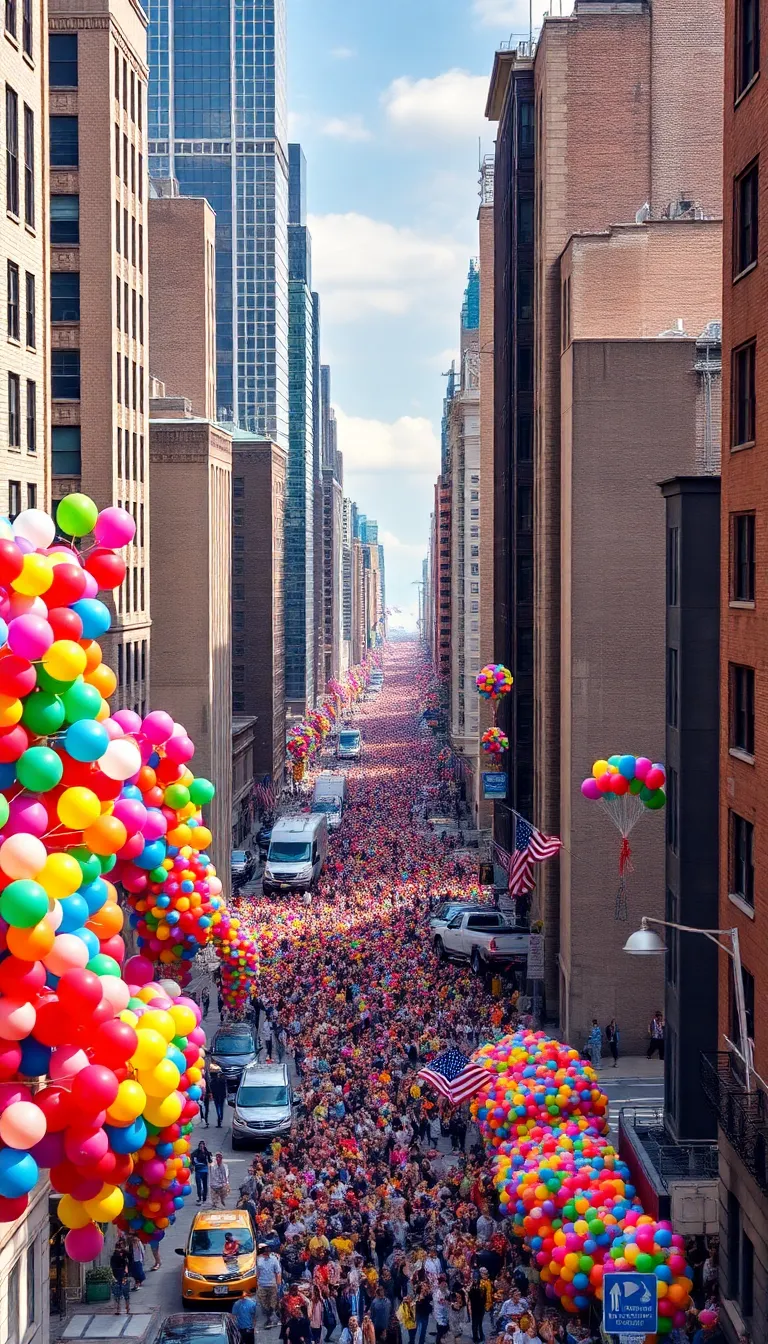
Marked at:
<point>263,837</point>
<point>234,1046</point>
<point>210,1327</point>
<point>243,866</point>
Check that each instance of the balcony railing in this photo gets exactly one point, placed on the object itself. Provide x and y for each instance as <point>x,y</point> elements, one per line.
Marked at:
<point>743,1115</point>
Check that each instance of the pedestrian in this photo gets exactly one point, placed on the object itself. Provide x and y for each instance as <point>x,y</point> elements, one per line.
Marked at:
<point>440,1308</point>
<point>406,1315</point>
<point>612,1037</point>
<point>476,1300</point>
<point>269,1278</point>
<point>352,1333</point>
<point>282,1041</point>
<point>202,1159</point>
<point>218,1087</point>
<point>656,1034</point>
<point>298,1330</point>
<point>595,1044</point>
<point>380,1313</point>
<point>457,1313</point>
<point>316,1315</point>
<point>219,1181</point>
<point>154,1247</point>
<point>136,1248</point>
<point>205,1001</point>
<point>423,1311</point>
<point>244,1315</point>
<point>120,1264</point>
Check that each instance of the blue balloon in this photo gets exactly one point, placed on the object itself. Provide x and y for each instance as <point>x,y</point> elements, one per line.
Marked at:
<point>18,1173</point>
<point>86,740</point>
<point>152,855</point>
<point>94,615</point>
<point>35,1058</point>
<point>127,1138</point>
<point>131,791</point>
<point>94,895</point>
<point>75,913</point>
<point>7,774</point>
<point>90,940</point>
<point>627,769</point>
<point>3,633</point>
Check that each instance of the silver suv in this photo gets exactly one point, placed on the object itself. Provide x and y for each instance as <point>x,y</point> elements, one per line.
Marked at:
<point>264,1105</point>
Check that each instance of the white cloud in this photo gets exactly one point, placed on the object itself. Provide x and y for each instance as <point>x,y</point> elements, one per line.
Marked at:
<point>513,15</point>
<point>441,362</point>
<point>392,543</point>
<point>345,128</point>
<point>450,106</point>
<point>365,265</point>
<point>408,446</point>
<point>343,53</point>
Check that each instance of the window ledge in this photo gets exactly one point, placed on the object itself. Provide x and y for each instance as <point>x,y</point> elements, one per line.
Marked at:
<point>736,604</point>
<point>16,218</point>
<point>740,447</point>
<point>30,60</point>
<point>12,38</point>
<point>741,904</point>
<point>740,96</point>
<point>30,229</point>
<point>14,340</point>
<point>739,755</point>
<point>740,275</point>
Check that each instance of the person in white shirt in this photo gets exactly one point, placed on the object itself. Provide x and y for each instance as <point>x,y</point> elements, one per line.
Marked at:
<point>268,1280</point>
<point>219,1182</point>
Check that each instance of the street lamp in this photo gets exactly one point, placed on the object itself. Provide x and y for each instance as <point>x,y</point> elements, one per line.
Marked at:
<point>645,942</point>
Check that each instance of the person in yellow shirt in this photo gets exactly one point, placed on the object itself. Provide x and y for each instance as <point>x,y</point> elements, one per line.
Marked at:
<point>496,986</point>
<point>318,1243</point>
<point>341,1244</point>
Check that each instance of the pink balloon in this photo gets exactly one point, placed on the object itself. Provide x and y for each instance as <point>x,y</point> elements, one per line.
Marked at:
<point>28,816</point>
<point>116,992</point>
<point>157,726</point>
<point>196,1036</point>
<point>179,750</point>
<point>21,605</point>
<point>153,1171</point>
<point>113,729</point>
<point>128,720</point>
<point>13,1093</point>
<point>91,586</point>
<point>132,813</point>
<point>133,847</point>
<point>84,1144</point>
<point>589,789</point>
<point>138,971</point>
<point>155,825</point>
<point>66,1062</point>
<point>17,1020</point>
<point>22,1124</point>
<point>30,637</point>
<point>84,1243</point>
<point>67,954</point>
<point>642,766</point>
<point>114,527</point>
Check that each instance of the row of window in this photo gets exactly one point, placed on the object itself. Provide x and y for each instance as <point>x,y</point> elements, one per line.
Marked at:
<point>741,560</point>
<point>130,383</point>
<point>13,306</point>
<point>16,413</point>
<point>129,156</point>
<point>19,498</point>
<point>130,316</point>
<point>12,158</point>
<point>129,235</point>
<point>130,463</point>
<point>131,595</point>
<point>12,22</point>
<point>132,662</point>
<point>131,88</point>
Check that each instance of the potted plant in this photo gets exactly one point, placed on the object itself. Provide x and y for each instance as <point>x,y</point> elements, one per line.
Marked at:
<point>98,1284</point>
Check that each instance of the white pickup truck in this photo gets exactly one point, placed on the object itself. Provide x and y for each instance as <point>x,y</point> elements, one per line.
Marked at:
<point>483,938</point>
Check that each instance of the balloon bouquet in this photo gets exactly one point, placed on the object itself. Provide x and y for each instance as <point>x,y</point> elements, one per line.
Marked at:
<point>494,681</point>
<point>627,787</point>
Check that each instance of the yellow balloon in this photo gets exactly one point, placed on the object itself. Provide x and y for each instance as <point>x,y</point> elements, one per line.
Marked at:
<point>103,712</point>
<point>128,1104</point>
<point>61,875</point>
<point>11,710</point>
<point>150,1048</point>
<point>78,807</point>
<point>36,575</point>
<point>127,1015</point>
<point>72,1212</point>
<point>107,1206</point>
<point>160,1081</point>
<point>156,1019</point>
<point>65,660</point>
<point>201,838</point>
<point>147,993</point>
<point>184,1019</point>
<point>599,769</point>
<point>163,1112</point>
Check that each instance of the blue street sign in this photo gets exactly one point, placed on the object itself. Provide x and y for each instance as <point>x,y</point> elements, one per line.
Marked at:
<point>630,1304</point>
<point>494,784</point>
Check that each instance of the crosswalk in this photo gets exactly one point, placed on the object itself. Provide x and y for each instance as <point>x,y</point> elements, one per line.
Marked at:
<point>641,1100</point>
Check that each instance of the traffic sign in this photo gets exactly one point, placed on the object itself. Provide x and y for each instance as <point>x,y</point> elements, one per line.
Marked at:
<point>494,783</point>
<point>630,1304</point>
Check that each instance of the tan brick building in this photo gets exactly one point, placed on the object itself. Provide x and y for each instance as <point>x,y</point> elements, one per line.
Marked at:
<point>182,299</point>
<point>24,284</point>
<point>99,266</point>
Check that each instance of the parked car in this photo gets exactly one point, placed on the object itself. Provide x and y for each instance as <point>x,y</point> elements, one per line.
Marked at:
<point>446,910</point>
<point>297,852</point>
<point>243,866</point>
<point>263,1105</point>
<point>483,938</point>
<point>208,1327</point>
<point>233,1048</point>
<point>263,837</point>
<point>208,1274</point>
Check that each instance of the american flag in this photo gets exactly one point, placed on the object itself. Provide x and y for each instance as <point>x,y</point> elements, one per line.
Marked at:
<point>531,846</point>
<point>454,1076</point>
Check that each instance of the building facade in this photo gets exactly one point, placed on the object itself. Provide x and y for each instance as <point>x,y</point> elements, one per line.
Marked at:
<point>182,299</point>
<point>99,287</point>
<point>218,126</point>
<point>486,356</point>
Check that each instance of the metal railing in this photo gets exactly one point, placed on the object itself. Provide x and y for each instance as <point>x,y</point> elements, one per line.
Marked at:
<point>743,1114</point>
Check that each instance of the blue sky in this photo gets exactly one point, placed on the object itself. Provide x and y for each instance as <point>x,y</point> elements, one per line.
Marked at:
<point>387,100</point>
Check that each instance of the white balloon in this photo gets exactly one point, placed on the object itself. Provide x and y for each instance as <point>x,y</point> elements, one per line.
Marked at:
<point>116,992</point>
<point>55,915</point>
<point>171,988</point>
<point>35,526</point>
<point>121,759</point>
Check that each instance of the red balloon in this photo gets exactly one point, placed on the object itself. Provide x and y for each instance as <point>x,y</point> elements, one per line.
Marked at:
<point>11,562</point>
<point>94,1088</point>
<point>107,568</point>
<point>106,790</point>
<point>85,1145</point>
<point>167,771</point>
<point>132,848</point>
<point>79,992</point>
<point>604,783</point>
<point>11,1209</point>
<point>53,1026</point>
<point>13,743</point>
<point>619,785</point>
<point>17,976</point>
<point>85,1185</point>
<point>65,623</point>
<point>114,947</point>
<point>10,1059</point>
<point>68,585</point>
<point>17,675</point>
<point>55,1104</point>
<point>64,1178</point>
<point>653,780</point>
<point>114,1043</point>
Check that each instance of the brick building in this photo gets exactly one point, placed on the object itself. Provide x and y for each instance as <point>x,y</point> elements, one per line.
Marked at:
<point>182,299</point>
<point>486,375</point>
<point>24,279</point>
<point>743,1133</point>
<point>99,284</point>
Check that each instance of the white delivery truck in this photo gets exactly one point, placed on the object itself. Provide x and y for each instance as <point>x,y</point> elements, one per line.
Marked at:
<point>349,746</point>
<point>330,796</point>
<point>297,852</point>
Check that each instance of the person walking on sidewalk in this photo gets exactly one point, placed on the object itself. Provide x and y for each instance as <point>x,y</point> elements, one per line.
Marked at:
<point>612,1037</point>
<point>595,1044</point>
<point>244,1313</point>
<point>120,1264</point>
<point>656,1033</point>
<point>201,1164</point>
<point>268,1279</point>
<point>218,1089</point>
<point>219,1179</point>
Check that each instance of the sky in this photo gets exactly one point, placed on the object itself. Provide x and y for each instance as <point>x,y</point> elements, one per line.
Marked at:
<point>387,99</point>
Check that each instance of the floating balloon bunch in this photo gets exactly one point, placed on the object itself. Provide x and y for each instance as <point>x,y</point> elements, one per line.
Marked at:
<point>494,741</point>
<point>650,1247</point>
<point>565,1189</point>
<point>320,723</point>
<point>238,960</point>
<point>628,787</point>
<point>301,743</point>
<point>493,681</point>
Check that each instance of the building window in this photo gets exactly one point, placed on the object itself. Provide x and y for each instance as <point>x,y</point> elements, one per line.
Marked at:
<point>11,151</point>
<point>65,296</point>
<point>525,296</point>
<point>524,438</point>
<point>64,142</point>
<point>14,499</point>
<point>525,368</point>
<point>26,27</point>
<point>673,811</point>
<point>14,410</point>
<point>10,17</point>
<point>525,508</point>
<point>747,43</point>
<point>525,221</point>
<point>141,319</point>
<point>673,566</point>
<point>524,578</point>
<point>672,937</point>
<point>742,557</point>
<point>65,219</point>
<point>743,395</point>
<point>31,496</point>
<point>31,310</point>
<point>29,166</point>
<point>741,878</point>
<point>525,126</point>
<point>673,687</point>
<point>745,210</point>
<point>14,317</point>
<point>65,375</point>
<point>62,60</point>
<point>31,416</point>
<point>65,450</point>
<point>742,693</point>
<point>524,650</point>
<point>748,983</point>
<point>14,1303</point>
<point>31,1278</point>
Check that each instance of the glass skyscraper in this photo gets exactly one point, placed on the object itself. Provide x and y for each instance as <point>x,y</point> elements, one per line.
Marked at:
<point>218,124</point>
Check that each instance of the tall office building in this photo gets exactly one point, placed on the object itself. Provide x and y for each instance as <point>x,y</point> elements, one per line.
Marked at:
<point>300,567</point>
<point>99,268</point>
<point>218,125</point>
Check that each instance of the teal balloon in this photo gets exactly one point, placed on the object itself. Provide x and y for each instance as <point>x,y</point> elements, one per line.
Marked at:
<point>627,766</point>
<point>657,799</point>
<point>201,791</point>
<point>636,786</point>
<point>43,713</point>
<point>89,864</point>
<point>39,769</point>
<point>101,964</point>
<point>81,701</point>
<point>23,903</point>
<point>646,793</point>
<point>614,760</point>
<point>107,862</point>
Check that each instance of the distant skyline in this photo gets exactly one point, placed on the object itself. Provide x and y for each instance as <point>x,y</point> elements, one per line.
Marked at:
<point>387,102</point>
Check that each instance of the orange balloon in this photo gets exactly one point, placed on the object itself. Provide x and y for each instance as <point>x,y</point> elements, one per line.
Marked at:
<point>111,890</point>
<point>147,778</point>
<point>30,944</point>
<point>93,654</point>
<point>105,836</point>
<point>107,921</point>
<point>103,678</point>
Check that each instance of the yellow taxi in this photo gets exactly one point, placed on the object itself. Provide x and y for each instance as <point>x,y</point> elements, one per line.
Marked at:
<point>219,1258</point>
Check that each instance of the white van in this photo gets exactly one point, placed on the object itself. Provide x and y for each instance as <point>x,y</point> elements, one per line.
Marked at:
<point>350,745</point>
<point>297,852</point>
<point>329,797</point>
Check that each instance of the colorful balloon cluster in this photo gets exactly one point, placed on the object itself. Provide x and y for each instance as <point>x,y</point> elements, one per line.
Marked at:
<point>565,1189</point>
<point>494,741</point>
<point>493,681</point>
<point>238,960</point>
<point>621,775</point>
<point>301,743</point>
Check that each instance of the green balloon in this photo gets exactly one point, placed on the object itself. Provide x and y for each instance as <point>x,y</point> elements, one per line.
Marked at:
<point>46,682</point>
<point>23,904</point>
<point>5,810</point>
<point>39,769</point>
<point>646,793</point>
<point>43,713</point>
<point>76,515</point>
<point>201,791</point>
<point>107,862</point>
<point>101,964</point>
<point>81,701</point>
<point>176,795</point>
<point>89,864</point>
<point>158,875</point>
<point>644,1263</point>
<point>657,799</point>
<point>636,786</point>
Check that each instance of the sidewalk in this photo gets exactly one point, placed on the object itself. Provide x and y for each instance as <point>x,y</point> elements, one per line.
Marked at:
<point>631,1066</point>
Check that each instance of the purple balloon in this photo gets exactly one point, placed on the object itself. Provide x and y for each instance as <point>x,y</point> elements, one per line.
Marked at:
<point>27,816</point>
<point>642,766</point>
<point>155,825</point>
<point>128,720</point>
<point>49,1152</point>
<point>590,790</point>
